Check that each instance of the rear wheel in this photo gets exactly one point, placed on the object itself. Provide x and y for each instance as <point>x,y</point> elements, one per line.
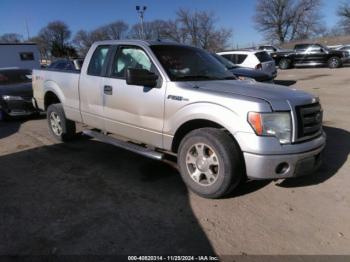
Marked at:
<point>60,127</point>
<point>210,162</point>
<point>334,62</point>
<point>284,64</point>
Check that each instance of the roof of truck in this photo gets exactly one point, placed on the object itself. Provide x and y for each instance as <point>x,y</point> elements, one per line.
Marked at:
<point>139,42</point>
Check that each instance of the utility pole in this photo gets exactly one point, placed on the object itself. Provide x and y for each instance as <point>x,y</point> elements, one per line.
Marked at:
<point>141,10</point>
<point>27,28</point>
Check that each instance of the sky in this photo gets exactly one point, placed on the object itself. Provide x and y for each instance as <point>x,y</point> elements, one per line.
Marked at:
<point>90,14</point>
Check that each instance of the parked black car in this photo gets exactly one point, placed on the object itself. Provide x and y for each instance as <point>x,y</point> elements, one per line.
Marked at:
<point>243,72</point>
<point>16,93</point>
<point>310,55</point>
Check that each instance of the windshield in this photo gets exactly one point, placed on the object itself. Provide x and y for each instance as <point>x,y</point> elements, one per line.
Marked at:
<point>15,76</point>
<point>224,61</point>
<point>189,63</point>
<point>324,47</point>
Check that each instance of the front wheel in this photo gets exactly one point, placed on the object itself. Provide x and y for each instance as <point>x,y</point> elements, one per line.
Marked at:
<point>284,64</point>
<point>334,62</point>
<point>60,127</point>
<point>210,162</point>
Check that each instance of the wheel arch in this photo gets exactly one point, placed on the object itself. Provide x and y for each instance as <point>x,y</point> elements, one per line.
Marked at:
<point>50,98</point>
<point>52,94</point>
<point>189,126</point>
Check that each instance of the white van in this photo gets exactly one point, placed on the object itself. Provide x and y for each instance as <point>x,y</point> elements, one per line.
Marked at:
<point>19,55</point>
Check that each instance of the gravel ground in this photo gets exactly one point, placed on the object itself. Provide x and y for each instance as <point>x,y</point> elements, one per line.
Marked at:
<point>87,197</point>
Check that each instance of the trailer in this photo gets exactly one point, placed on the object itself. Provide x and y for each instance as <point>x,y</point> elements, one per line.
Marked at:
<point>19,55</point>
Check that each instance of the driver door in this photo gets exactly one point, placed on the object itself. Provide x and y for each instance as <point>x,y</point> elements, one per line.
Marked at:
<point>134,112</point>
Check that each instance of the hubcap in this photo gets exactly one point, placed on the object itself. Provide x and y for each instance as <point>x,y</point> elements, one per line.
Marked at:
<point>55,122</point>
<point>202,164</point>
<point>334,62</point>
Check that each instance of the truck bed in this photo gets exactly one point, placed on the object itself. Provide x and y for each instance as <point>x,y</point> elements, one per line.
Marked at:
<point>65,84</point>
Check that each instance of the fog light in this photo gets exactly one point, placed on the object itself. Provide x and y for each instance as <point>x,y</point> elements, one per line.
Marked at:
<point>282,168</point>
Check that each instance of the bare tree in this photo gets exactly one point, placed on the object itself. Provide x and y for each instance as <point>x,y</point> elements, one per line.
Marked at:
<point>11,38</point>
<point>56,32</point>
<point>344,14</point>
<point>153,30</point>
<point>199,29</point>
<point>115,30</point>
<point>286,20</point>
<point>84,39</point>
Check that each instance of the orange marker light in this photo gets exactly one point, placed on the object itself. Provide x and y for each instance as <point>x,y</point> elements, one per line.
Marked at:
<point>254,120</point>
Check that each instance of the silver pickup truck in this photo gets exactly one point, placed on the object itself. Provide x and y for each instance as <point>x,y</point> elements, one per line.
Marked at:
<point>159,99</point>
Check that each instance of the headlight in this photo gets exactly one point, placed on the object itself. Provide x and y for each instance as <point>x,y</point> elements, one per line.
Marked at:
<point>278,125</point>
<point>11,98</point>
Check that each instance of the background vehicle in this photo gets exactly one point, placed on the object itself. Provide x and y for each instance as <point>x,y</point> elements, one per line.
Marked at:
<point>345,48</point>
<point>19,55</point>
<point>159,99</point>
<point>252,59</point>
<point>16,93</point>
<point>244,73</point>
<point>67,64</point>
<point>310,55</point>
<point>270,49</point>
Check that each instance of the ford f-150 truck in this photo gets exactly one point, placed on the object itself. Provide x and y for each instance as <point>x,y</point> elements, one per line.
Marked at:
<point>310,55</point>
<point>160,99</point>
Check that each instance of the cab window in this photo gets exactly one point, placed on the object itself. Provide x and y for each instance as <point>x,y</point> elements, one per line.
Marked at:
<point>130,57</point>
<point>98,61</point>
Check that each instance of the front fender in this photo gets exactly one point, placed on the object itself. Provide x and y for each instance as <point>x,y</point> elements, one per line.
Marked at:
<point>216,113</point>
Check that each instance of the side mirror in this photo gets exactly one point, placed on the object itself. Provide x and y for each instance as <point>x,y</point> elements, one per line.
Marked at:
<point>141,77</point>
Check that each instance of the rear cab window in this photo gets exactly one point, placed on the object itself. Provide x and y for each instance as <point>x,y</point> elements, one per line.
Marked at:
<point>301,47</point>
<point>98,61</point>
<point>263,57</point>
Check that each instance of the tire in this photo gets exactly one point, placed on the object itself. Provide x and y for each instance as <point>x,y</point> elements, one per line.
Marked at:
<point>203,175</point>
<point>4,116</point>
<point>60,127</point>
<point>284,64</point>
<point>334,62</point>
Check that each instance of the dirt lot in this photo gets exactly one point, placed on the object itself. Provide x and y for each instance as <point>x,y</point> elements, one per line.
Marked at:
<point>90,198</point>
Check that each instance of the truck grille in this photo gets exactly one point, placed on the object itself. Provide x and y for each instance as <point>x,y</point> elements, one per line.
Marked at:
<point>309,120</point>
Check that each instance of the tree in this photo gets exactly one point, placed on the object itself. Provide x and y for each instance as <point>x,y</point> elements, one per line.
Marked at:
<point>198,29</point>
<point>344,14</point>
<point>56,35</point>
<point>11,38</point>
<point>113,31</point>
<point>152,30</point>
<point>286,20</point>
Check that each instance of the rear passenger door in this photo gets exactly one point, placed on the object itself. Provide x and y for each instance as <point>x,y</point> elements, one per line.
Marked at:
<point>134,112</point>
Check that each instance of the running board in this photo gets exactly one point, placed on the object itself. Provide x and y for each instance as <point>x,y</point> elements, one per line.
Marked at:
<point>125,145</point>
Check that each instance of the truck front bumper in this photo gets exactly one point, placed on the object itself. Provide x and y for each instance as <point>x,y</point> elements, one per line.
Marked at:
<point>295,160</point>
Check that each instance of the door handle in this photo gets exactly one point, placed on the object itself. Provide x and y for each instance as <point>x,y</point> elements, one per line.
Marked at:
<point>108,90</point>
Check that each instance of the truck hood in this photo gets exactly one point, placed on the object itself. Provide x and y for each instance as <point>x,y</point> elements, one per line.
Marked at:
<point>279,97</point>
